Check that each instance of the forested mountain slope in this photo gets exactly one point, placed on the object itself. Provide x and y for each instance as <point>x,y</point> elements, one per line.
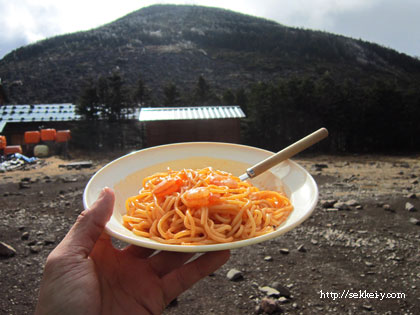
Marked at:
<point>289,81</point>
<point>168,43</point>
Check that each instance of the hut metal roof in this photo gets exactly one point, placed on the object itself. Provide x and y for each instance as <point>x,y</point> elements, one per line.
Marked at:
<point>188,113</point>
<point>43,112</point>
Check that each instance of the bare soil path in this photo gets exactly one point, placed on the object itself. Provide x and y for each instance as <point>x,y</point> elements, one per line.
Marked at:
<point>358,253</point>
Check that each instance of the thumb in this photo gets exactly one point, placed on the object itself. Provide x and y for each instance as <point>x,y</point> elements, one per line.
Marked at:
<point>89,226</point>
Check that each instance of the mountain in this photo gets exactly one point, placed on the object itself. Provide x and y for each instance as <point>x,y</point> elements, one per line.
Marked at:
<point>178,43</point>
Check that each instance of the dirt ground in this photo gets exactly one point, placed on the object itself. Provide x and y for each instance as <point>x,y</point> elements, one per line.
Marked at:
<point>358,253</point>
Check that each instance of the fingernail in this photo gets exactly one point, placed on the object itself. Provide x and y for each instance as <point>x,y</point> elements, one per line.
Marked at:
<point>103,192</point>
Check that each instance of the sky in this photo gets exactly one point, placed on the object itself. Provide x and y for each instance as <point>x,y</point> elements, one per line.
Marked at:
<point>390,23</point>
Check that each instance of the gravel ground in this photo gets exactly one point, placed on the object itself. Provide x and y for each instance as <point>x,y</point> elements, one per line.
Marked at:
<point>358,253</point>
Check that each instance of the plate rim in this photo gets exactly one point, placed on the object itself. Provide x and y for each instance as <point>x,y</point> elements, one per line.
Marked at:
<point>209,247</point>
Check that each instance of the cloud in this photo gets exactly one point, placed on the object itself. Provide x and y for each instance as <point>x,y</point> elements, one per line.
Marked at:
<point>388,23</point>
<point>25,21</point>
<point>314,14</point>
<point>10,44</point>
<point>393,24</point>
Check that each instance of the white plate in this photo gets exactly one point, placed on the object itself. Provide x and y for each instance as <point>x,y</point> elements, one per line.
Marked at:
<point>126,173</point>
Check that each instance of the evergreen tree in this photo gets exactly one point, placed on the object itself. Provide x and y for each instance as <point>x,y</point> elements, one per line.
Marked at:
<point>202,91</point>
<point>3,96</point>
<point>171,95</point>
<point>116,101</point>
<point>241,98</point>
<point>88,104</point>
<point>228,97</point>
<point>102,91</point>
<point>141,94</point>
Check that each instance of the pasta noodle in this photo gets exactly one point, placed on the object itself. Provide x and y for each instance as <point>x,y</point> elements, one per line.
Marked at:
<point>203,206</point>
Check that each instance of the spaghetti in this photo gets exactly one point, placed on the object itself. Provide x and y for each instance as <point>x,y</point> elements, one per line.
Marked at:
<point>203,206</point>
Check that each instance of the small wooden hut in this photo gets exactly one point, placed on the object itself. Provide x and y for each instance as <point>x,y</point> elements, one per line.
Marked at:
<point>164,125</point>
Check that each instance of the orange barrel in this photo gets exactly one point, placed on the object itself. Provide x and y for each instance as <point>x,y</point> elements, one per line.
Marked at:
<point>11,149</point>
<point>48,134</point>
<point>3,142</point>
<point>62,136</point>
<point>32,137</point>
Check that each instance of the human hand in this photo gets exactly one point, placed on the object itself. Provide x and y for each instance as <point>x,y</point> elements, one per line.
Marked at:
<point>85,274</point>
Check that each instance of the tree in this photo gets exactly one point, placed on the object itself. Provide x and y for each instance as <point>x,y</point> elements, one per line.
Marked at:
<point>241,98</point>
<point>202,91</point>
<point>264,123</point>
<point>102,105</point>
<point>88,104</point>
<point>102,91</point>
<point>171,95</point>
<point>116,99</point>
<point>3,96</point>
<point>228,97</point>
<point>141,94</point>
